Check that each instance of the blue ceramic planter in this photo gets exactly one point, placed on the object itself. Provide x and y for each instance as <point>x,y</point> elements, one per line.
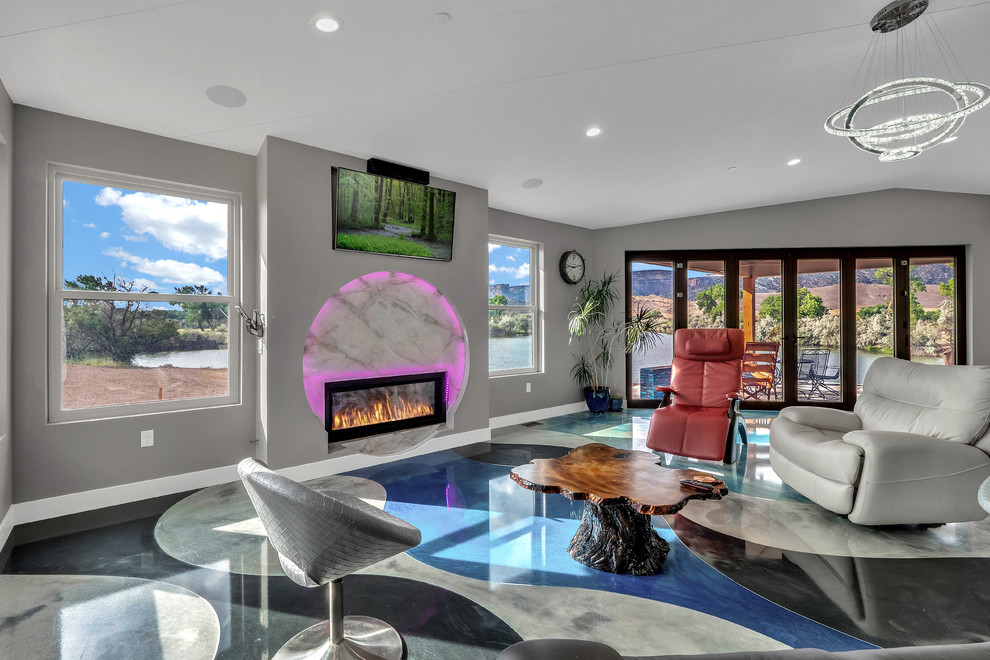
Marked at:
<point>597,400</point>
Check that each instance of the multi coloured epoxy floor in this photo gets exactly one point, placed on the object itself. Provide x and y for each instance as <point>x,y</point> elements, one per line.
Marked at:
<point>762,569</point>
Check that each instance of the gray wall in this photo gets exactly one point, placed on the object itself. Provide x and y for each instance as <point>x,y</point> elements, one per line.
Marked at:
<point>6,142</point>
<point>890,217</point>
<point>303,271</point>
<point>554,386</point>
<point>73,457</point>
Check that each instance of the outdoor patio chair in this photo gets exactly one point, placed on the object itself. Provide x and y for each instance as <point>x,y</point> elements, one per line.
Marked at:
<point>759,365</point>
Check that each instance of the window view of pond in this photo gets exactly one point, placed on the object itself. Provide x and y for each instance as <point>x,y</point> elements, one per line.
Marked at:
<point>511,308</point>
<point>209,359</point>
<point>510,352</point>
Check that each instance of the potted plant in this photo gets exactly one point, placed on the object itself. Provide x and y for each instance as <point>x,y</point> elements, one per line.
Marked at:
<point>589,322</point>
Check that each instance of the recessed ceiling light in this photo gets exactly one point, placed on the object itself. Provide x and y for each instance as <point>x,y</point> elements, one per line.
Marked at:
<point>328,24</point>
<point>594,131</point>
<point>733,168</point>
<point>532,183</point>
<point>441,18</point>
<point>950,139</point>
<point>227,96</point>
<point>794,161</point>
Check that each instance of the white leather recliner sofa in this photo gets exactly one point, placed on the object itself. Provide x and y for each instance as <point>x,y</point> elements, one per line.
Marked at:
<point>914,450</point>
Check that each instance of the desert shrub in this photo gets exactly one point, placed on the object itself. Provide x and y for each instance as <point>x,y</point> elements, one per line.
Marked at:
<point>874,331</point>
<point>510,325</point>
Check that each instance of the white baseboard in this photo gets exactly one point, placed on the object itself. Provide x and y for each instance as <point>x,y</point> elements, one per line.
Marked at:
<point>533,415</point>
<point>99,498</point>
<point>63,505</point>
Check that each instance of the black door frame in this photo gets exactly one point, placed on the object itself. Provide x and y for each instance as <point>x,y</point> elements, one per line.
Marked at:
<point>846,256</point>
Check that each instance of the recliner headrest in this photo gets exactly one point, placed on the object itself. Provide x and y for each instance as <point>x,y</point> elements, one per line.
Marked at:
<point>709,344</point>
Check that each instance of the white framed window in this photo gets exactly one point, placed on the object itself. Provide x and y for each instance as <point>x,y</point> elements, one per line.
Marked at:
<point>143,280</point>
<point>515,315</point>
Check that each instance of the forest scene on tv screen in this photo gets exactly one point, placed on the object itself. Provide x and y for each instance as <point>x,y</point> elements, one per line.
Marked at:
<point>389,216</point>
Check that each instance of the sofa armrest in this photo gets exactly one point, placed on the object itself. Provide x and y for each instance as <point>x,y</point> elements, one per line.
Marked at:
<point>827,419</point>
<point>891,456</point>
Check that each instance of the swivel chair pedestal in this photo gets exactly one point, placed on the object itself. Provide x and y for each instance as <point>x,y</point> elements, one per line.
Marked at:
<point>343,637</point>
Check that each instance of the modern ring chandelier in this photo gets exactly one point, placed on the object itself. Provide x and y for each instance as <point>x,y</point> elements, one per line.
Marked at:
<point>898,120</point>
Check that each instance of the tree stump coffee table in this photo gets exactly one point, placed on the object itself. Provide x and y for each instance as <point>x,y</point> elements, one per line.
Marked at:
<point>621,488</point>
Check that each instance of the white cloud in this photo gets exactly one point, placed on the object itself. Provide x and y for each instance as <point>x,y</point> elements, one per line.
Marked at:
<point>90,225</point>
<point>134,238</point>
<point>104,234</point>
<point>65,203</point>
<point>510,257</point>
<point>518,273</point>
<point>169,270</point>
<point>493,246</point>
<point>491,281</point>
<point>140,283</point>
<point>180,224</point>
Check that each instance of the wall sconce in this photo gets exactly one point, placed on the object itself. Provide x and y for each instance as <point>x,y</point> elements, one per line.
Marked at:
<point>255,325</point>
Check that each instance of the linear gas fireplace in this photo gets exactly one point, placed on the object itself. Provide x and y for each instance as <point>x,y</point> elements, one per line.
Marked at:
<point>372,406</point>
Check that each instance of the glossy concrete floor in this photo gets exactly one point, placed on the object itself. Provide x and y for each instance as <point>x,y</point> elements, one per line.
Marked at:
<point>762,569</point>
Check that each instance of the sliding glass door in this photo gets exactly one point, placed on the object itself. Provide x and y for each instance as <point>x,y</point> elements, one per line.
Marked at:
<point>813,320</point>
<point>652,289</point>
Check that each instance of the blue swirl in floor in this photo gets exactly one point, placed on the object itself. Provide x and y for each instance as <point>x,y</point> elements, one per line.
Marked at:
<point>478,523</point>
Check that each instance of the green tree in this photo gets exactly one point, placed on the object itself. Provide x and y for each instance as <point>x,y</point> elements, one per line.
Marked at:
<point>872,310</point>
<point>711,301</point>
<point>119,329</point>
<point>948,288</point>
<point>809,306</point>
<point>915,286</point>
<point>494,314</point>
<point>201,314</point>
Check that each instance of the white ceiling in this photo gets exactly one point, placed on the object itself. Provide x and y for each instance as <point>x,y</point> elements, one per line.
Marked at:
<point>503,92</point>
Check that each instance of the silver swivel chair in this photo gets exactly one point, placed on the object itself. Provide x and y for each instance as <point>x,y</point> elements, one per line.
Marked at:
<point>321,537</point>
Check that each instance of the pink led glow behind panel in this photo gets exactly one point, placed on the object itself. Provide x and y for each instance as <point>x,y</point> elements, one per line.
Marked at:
<point>385,324</point>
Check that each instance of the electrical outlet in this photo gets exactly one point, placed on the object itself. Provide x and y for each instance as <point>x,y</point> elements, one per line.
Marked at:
<point>529,387</point>
<point>148,438</point>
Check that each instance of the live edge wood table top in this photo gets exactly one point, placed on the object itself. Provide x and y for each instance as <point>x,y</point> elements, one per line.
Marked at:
<point>621,488</point>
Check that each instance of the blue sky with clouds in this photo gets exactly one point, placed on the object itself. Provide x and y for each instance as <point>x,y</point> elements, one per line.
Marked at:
<point>508,265</point>
<point>159,241</point>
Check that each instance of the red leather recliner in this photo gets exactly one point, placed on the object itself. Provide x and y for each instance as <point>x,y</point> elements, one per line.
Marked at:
<point>698,417</point>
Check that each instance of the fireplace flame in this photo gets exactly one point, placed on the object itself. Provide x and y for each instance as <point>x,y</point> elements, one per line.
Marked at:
<point>379,412</point>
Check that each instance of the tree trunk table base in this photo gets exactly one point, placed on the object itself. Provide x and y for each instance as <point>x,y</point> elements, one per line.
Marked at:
<point>618,539</point>
<point>621,489</point>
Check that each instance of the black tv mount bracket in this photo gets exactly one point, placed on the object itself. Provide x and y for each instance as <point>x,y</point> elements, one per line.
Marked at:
<point>255,324</point>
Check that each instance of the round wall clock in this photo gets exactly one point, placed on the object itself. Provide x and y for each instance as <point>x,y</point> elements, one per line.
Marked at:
<point>572,266</point>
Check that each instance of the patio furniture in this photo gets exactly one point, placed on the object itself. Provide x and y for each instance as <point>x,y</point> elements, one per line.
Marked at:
<point>321,537</point>
<point>698,417</point>
<point>813,368</point>
<point>759,364</point>
<point>914,450</point>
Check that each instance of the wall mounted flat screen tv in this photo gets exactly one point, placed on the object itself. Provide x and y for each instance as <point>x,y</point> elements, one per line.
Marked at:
<point>375,213</point>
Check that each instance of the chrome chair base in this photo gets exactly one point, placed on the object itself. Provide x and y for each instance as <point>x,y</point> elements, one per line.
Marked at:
<point>365,638</point>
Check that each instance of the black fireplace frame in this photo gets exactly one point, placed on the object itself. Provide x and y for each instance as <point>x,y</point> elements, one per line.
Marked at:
<point>439,416</point>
